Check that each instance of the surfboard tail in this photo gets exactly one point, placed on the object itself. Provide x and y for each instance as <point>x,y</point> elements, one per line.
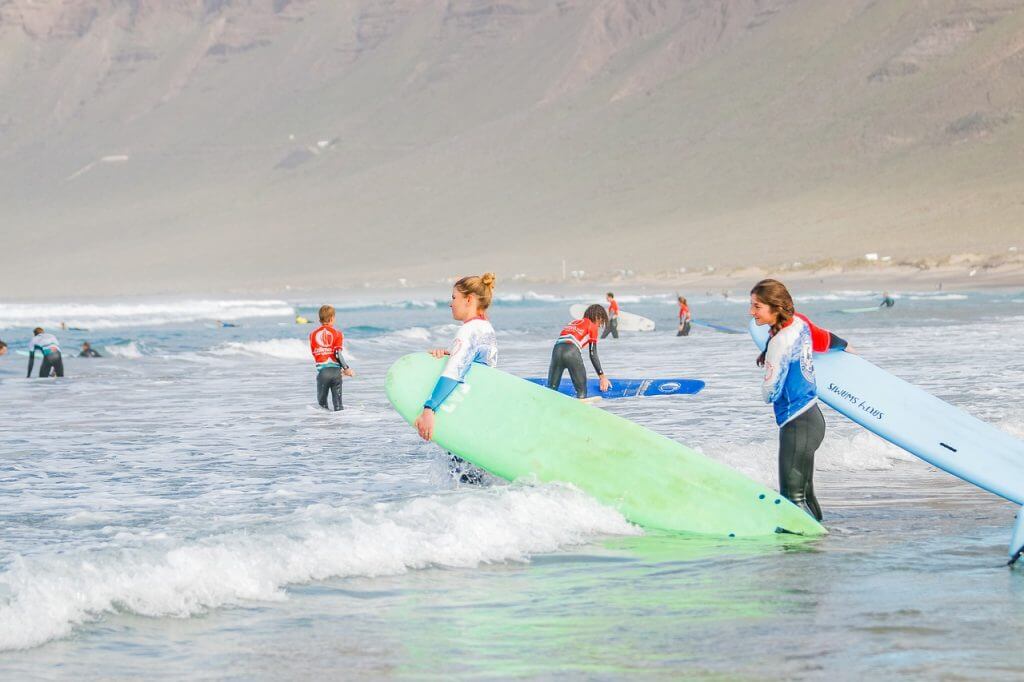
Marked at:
<point>1017,539</point>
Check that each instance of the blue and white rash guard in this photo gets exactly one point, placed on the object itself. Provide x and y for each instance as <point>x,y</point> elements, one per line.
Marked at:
<point>474,342</point>
<point>45,343</point>
<point>789,372</point>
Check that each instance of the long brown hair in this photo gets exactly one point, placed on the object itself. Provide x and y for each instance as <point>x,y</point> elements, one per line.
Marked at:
<point>480,286</point>
<point>775,295</point>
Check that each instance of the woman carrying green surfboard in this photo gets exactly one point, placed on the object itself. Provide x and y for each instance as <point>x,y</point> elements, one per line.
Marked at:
<point>474,342</point>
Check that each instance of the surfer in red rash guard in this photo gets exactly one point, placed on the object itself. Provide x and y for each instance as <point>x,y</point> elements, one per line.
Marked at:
<point>568,351</point>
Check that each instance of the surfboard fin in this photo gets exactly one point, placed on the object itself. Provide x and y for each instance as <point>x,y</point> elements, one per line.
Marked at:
<point>1017,540</point>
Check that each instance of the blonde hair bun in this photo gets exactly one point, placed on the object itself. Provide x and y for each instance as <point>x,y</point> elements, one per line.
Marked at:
<point>487,279</point>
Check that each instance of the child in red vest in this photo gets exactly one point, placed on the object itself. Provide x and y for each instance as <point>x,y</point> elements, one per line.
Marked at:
<point>325,342</point>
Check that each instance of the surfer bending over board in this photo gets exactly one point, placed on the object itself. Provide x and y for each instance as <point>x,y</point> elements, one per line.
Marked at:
<point>613,317</point>
<point>568,351</point>
<point>887,300</point>
<point>48,346</point>
<point>684,317</point>
<point>474,342</point>
<point>789,385</point>
<point>325,343</point>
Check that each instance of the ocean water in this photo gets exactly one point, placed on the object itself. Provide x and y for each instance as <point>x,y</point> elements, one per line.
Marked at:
<point>182,508</point>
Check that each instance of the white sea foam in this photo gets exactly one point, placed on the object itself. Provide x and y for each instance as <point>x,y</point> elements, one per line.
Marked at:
<point>50,594</point>
<point>144,314</point>
<point>124,350</point>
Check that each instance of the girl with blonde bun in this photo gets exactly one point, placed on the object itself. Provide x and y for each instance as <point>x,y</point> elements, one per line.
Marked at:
<point>474,342</point>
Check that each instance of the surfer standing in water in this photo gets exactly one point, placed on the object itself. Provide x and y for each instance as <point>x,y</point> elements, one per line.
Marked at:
<point>887,300</point>
<point>789,385</point>
<point>48,346</point>
<point>568,351</point>
<point>612,326</point>
<point>474,342</point>
<point>684,317</point>
<point>325,343</point>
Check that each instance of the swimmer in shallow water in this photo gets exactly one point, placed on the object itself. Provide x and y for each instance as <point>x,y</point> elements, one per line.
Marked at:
<point>887,300</point>
<point>88,351</point>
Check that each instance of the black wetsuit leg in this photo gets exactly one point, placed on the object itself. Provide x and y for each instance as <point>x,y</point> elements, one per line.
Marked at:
<point>684,329</point>
<point>53,362</point>
<point>611,328</point>
<point>464,472</point>
<point>566,356</point>
<point>799,439</point>
<point>329,379</point>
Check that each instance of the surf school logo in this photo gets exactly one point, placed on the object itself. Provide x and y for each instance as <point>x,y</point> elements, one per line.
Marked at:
<point>324,337</point>
<point>669,387</point>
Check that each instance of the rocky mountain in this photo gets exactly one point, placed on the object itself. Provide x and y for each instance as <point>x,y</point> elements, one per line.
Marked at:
<point>159,145</point>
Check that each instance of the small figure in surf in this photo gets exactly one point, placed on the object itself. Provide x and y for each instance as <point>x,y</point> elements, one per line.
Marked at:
<point>613,317</point>
<point>789,385</point>
<point>887,300</point>
<point>88,351</point>
<point>568,352</point>
<point>684,317</point>
<point>49,348</point>
<point>474,343</point>
<point>3,348</point>
<point>325,342</point>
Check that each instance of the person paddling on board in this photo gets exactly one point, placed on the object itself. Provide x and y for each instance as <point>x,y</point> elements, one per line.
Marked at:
<point>325,342</point>
<point>612,327</point>
<point>887,300</point>
<point>568,352</point>
<point>684,317</point>
<point>48,346</point>
<point>475,342</point>
<point>789,385</point>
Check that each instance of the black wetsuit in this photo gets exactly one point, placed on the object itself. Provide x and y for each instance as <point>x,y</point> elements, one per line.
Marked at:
<point>89,353</point>
<point>799,439</point>
<point>611,328</point>
<point>329,379</point>
<point>887,302</point>
<point>52,362</point>
<point>566,356</point>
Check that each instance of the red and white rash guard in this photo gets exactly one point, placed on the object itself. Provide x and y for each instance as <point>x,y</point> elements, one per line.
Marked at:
<point>581,333</point>
<point>325,342</point>
<point>613,308</point>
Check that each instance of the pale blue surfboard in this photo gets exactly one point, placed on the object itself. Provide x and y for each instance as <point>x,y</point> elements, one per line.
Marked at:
<point>903,414</point>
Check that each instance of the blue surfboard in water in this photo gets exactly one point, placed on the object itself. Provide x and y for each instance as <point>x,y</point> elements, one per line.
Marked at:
<point>630,388</point>
<point>926,427</point>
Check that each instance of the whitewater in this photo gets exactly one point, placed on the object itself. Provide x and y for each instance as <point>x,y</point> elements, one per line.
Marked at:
<point>182,508</point>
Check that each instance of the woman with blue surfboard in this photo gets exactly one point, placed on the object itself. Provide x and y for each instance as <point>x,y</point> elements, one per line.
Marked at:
<point>568,351</point>
<point>474,342</point>
<point>789,385</point>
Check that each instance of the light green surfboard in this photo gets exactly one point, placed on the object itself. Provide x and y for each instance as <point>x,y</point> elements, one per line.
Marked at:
<point>519,430</point>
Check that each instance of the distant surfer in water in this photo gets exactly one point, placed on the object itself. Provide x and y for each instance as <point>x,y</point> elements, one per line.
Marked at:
<point>684,317</point>
<point>613,317</point>
<point>49,348</point>
<point>325,342</point>
<point>88,351</point>
<point>475,342</point>
<point>789,385</point>
<point>3,348</point>
<point>887,300</point>
<point>568,351</point>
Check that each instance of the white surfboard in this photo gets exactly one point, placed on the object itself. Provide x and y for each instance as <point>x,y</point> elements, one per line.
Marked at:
<point>903,414</point>
<point>628,322</point>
